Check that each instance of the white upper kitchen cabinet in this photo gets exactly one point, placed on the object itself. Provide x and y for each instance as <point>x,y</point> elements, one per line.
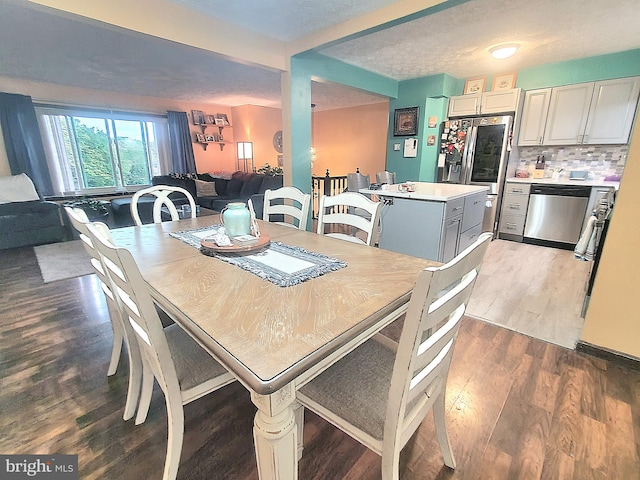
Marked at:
<point>613,107</point>
<point>465,105</point>
<point>501,101</point>
<point>567,116</point>
<point>592,113</point>
<point>534,116</point>
<point>485,103</point>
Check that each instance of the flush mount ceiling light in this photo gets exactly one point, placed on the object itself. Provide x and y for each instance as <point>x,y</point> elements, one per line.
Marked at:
<point>503,51</point>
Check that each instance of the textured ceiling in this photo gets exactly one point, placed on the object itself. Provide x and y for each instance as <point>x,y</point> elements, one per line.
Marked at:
<point>457,40</point>
<point>64,49</point>
<point>285,20</point>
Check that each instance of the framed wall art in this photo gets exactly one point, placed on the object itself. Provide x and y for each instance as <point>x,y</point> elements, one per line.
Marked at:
<point>198,117</point>
<point>503,82</point>
<point>474,85</point>
<point>405,121</point>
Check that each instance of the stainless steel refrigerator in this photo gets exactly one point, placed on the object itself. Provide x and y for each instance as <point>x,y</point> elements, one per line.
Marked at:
<point>475,151</point>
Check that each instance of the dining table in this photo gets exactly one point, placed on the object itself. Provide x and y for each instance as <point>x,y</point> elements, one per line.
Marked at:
<point>273,338</point>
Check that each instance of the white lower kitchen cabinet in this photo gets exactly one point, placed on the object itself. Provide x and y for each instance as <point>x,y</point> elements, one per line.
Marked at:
<point>435,222</point>
<point>513,212</point>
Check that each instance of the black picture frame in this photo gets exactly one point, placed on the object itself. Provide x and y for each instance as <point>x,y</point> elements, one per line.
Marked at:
<point>405,121</point>
<point>198,117</point>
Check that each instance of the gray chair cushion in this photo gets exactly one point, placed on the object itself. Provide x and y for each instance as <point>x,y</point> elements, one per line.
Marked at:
<point>357,387</point>
<point>193,364</point>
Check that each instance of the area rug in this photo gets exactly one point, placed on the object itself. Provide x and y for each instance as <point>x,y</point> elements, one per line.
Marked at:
<point>59,261</point>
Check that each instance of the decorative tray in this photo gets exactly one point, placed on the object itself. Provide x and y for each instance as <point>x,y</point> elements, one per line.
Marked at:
<point>262,242</point>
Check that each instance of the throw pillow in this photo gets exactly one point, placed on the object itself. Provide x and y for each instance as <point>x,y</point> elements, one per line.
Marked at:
<point>17,188</point>
<point>206,189</point>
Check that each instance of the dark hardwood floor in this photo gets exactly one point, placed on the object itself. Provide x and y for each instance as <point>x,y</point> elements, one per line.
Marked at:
<point>518,408</point>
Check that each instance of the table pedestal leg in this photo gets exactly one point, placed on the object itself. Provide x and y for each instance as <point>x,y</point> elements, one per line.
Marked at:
<point>275,435</point>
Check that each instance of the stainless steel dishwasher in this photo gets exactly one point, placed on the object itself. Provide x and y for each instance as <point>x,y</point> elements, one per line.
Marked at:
<point>555,214</point>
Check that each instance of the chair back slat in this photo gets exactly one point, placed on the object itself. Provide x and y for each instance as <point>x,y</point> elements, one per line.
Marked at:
<point>161,192</point>
<point>361,214</point>
<point>79,221</point>
<point>447,304</point>
<point>139,308</point>
<point>430,328</point>
<point>433,354</point>
<point>295,204</point>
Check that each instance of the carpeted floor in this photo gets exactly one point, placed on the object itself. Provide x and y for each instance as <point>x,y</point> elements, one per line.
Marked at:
<point>59,261</point>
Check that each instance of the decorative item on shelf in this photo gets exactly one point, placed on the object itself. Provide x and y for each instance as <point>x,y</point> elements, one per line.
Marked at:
<point>198,117</point>
<point>245,155</point>
<point>219,120</point>
<point>474,85</point>
<point>405,121</point>
<point>224,118</point>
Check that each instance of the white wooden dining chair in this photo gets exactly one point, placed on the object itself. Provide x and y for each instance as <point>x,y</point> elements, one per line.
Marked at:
<point>161,192</point>
<point>183,369</point>
<point>380,393</point>
<point>290,202</point>
<point>121,332</point>
<point>353,210</point>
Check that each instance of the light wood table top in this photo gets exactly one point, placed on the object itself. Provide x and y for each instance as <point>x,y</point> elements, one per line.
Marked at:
<point>265,334</point>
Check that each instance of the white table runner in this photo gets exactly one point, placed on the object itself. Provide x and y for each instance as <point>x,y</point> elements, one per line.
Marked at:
<point>283,265</point>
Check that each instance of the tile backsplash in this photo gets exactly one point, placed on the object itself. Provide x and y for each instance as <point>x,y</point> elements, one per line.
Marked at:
<point>599,160</point>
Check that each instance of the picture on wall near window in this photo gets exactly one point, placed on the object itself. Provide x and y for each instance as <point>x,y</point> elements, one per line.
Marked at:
<point>474,85</point>
<point>200,137</point>
<point>220,122</point>
<point>209,119</point>
<point>198,117</point>
<point>405,121</point>
<point>210,138</point>
<point>503,82</point>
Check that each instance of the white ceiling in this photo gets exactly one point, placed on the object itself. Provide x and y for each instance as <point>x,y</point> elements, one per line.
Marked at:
<point>42,45</point>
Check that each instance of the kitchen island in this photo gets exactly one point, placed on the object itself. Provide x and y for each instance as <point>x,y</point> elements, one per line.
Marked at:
<point>436,221</point>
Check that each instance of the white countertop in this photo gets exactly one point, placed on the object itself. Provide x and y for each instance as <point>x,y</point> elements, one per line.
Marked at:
<point>438,192</point>
<point>566,181</point>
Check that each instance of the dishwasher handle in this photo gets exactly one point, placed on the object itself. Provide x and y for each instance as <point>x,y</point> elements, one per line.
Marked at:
<point>560,190</point>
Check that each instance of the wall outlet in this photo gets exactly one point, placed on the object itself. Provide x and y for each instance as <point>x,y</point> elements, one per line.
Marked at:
<point>396,147</point>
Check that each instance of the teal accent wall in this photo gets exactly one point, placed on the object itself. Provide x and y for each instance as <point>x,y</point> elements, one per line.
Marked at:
<point>310,66</point>
<point>592,69</point>
<point>300,85</point>
<point>430,94</point>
